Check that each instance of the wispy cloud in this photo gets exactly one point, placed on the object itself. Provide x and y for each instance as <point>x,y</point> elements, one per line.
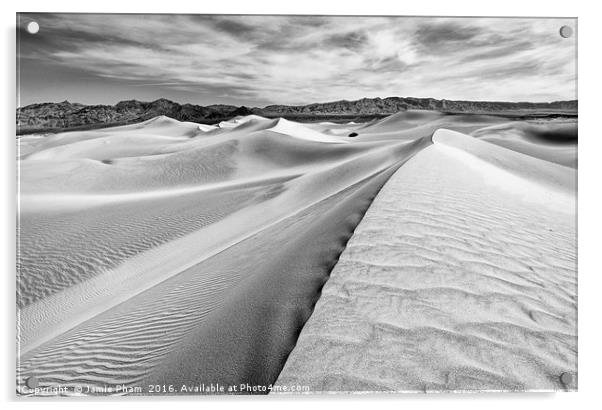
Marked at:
<point>301,59</point>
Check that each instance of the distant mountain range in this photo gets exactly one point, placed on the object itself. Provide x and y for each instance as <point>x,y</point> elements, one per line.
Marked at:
<point>49,117</point>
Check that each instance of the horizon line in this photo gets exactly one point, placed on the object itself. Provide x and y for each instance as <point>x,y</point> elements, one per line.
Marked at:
<point>300,105</point>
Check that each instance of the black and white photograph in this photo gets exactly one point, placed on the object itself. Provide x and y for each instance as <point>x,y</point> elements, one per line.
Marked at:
<point>268,204</point>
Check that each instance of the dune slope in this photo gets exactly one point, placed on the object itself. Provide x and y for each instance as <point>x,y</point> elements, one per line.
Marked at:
<point>170,252</point>
<point>126,265</point>
<point>554,141</point>
<point>461,276</point>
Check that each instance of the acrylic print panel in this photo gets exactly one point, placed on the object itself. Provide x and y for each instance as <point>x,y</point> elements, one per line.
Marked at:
<point>295,204</point>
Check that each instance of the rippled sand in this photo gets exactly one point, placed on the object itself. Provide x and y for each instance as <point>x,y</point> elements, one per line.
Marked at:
<point>138,243</point>
<point>176,253</point>
<point>461,276</point>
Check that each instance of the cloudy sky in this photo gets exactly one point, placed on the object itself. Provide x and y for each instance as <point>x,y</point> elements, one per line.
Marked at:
<point>261,60</point>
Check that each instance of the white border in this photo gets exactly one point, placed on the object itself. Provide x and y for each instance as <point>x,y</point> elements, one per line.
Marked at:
<point>590,204</point>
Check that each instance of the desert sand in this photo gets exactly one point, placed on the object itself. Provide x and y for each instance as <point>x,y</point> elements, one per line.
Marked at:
<point>171,252</point>
<point>460,277</point>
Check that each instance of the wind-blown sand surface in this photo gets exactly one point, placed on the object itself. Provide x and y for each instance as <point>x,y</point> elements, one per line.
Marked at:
<point>176,253</point>
<point>461,276</point>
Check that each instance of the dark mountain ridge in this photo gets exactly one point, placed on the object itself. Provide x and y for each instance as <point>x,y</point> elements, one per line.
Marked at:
<point>391,105</point>
<point>50,117</point>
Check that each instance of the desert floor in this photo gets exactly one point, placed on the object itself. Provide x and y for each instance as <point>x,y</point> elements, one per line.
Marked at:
<point>430,252</point>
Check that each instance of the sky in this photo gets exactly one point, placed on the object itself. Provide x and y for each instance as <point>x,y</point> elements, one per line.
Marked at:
<point>262,60</point>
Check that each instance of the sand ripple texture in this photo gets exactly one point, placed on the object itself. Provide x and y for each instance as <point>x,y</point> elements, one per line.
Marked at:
<point>170,252</point>
<point>460,277</point>
<point>137,243</point>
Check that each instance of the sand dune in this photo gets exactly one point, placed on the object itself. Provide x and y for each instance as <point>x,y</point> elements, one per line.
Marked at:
<point>412,124</point>
<point>173,252</point>
<point>297,130</point>
<point>461,276</point>
<point>149,222</point>
<point>554,141</point>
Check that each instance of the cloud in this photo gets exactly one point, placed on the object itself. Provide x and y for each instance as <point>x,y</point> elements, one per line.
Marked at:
<point>499,51</point>
<point>236,28</point>
<point>437,36</point>
<point>352,40</point>
<point>303,59</point>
